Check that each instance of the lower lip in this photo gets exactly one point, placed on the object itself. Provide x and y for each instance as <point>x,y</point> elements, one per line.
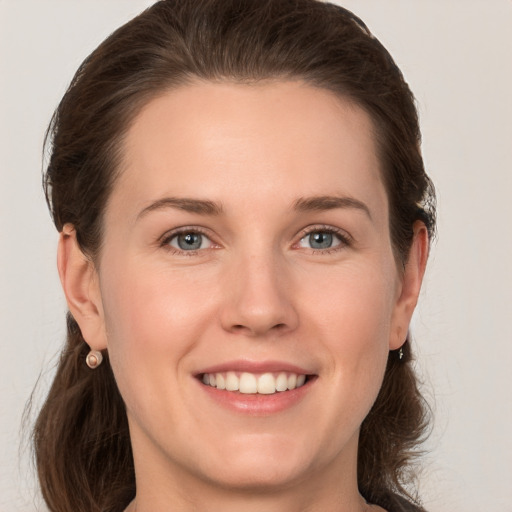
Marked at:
<point>258,404</point>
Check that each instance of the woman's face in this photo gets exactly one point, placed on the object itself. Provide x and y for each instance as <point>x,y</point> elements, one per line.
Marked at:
<point>247,245</point>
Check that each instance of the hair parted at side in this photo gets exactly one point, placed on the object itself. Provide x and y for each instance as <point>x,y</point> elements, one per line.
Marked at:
<point>81,437</point>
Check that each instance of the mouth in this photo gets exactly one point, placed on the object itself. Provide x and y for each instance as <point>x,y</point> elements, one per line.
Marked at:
<point>256,388</point>
<point>248,383</point>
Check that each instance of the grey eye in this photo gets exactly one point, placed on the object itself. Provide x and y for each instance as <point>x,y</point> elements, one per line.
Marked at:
<point>190,241</point>
<point>320,240</point>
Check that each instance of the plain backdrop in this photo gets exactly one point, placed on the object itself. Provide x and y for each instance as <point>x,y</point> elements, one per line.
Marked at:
<point>457,56</point>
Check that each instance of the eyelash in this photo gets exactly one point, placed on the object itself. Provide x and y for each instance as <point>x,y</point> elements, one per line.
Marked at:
<point>165,240</point>
<point>344,238</point>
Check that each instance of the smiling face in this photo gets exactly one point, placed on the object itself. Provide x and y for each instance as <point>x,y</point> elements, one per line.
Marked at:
<point>247,246</point>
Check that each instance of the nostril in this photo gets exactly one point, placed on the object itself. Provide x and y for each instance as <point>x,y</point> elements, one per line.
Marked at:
<point>242,328</point>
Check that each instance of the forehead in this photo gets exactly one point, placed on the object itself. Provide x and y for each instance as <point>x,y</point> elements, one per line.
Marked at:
<point>288,138</point>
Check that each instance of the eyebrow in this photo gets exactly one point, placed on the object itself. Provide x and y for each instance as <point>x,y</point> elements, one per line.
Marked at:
<point>199,206</point>
<point>319,203</point>
<point>206,207</point>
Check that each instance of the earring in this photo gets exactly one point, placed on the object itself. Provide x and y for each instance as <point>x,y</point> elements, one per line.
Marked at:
<point>401,353</point>
<point>94,359</point>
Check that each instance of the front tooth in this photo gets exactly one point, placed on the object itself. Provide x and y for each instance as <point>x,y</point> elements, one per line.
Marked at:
<point>248,383</point>
<point>221,382</point>
<point>292,381</point>
<point>232,381</point>
<point>266,384</point>
<point>282,382</point>
<point>212,379</point>
<point>301,379</point>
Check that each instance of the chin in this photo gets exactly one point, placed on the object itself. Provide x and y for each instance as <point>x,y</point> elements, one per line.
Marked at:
<point>261,466</point>
<point>258,478</point>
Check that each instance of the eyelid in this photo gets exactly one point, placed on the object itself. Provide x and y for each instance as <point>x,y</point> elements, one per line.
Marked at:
<point>165,239</point>
<point>345,238</point>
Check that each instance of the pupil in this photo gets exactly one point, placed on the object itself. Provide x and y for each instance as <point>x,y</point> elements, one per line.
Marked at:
<point>320,240</point>
<point>189,241</point>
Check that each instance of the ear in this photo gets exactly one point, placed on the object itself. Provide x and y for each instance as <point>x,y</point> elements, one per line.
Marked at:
<point>80,283</point>
<point>409,289</point>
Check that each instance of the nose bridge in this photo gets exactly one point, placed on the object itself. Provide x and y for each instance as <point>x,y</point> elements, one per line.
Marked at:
<point>258,297</point>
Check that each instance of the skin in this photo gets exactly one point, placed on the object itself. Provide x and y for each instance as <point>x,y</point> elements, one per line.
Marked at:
<point>255,291</point>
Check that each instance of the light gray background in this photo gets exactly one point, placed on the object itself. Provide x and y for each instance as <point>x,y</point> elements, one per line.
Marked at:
<point>457,56</point>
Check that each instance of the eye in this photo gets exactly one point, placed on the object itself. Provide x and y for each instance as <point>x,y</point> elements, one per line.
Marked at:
<point>188,241</point>
<point>323,239</point>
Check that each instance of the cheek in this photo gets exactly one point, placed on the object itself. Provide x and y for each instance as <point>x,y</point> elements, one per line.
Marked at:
<point>352,315</point>
<point>347,315</point>
<point>152,319</point>
<point>354,305</point>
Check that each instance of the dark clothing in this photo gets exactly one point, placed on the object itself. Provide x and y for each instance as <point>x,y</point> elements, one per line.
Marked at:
<point>395,503</point>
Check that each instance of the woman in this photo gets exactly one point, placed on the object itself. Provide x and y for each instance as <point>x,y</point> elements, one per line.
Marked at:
<point>245,222</point>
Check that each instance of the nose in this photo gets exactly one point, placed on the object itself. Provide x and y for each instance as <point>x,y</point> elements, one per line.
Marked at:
<point>258,298</point>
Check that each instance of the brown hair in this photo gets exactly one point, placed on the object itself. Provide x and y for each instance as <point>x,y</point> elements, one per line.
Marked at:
<point>81,437</point>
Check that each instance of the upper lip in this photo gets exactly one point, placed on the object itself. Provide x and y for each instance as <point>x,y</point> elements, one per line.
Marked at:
<point>255,367</point>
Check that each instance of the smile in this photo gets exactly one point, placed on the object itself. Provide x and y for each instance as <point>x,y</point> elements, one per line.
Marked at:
<point>253,383</point>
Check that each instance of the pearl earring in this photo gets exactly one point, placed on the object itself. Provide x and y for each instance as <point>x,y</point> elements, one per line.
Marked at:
<point>94,359</point>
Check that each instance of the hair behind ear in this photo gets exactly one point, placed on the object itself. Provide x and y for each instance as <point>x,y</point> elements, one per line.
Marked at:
<point>392,431</point>
<point>83,424</point>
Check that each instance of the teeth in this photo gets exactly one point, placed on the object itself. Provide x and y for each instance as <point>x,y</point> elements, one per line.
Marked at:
<point>221,381</point>
<point>249,383</point>
<point>266,384</point>
<point>232,381</point>
<point>282,382</point>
